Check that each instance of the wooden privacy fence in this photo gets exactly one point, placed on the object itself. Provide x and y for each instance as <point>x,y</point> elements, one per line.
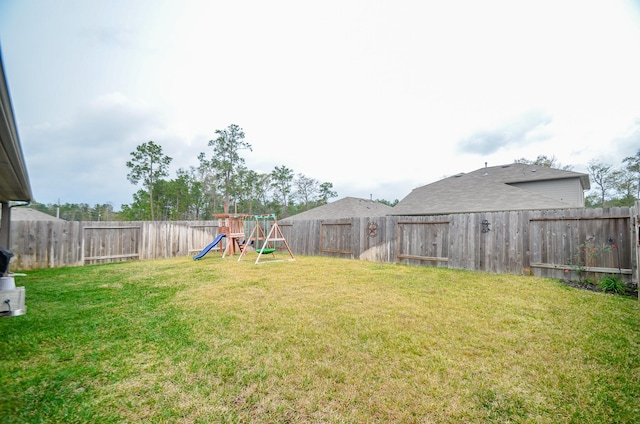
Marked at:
<point>45,244</point>
<point>549,243</point>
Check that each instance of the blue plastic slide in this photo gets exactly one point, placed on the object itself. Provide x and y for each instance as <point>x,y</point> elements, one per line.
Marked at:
<point>209,247</point>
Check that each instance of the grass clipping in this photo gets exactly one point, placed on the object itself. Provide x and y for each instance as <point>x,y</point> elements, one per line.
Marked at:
<point>317,340</point>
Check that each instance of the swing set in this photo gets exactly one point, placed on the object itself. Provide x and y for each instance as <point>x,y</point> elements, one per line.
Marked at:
<point>265,244</point>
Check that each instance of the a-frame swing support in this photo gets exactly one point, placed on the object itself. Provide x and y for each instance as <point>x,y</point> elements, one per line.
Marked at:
<point>274,235</point>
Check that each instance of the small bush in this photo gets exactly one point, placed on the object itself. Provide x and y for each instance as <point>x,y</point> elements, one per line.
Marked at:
<point>613,284</point>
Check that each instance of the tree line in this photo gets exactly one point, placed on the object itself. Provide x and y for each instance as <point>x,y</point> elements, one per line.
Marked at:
<point>613,185</point>
<point>220,183</point>
<point>223,181</point>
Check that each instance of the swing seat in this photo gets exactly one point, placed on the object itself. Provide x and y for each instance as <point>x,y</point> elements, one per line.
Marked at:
<point>266,250</point>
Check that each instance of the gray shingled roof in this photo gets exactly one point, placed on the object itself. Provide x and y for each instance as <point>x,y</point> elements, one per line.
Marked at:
<point>520,172</point>
<point>28,214</point>
<point>484,190</point>
<point>348,207</point>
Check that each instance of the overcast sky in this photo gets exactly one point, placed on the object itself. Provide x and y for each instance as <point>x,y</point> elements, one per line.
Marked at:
<point>376,97</point>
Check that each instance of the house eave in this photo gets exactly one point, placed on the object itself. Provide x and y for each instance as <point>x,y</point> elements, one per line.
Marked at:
<point>14,179</point>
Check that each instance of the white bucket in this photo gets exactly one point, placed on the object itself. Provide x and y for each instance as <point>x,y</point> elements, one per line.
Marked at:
<point>7,283</point>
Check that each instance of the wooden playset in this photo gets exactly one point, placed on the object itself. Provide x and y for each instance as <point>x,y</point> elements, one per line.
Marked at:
<point>232,226</point>
<point>263,237</point>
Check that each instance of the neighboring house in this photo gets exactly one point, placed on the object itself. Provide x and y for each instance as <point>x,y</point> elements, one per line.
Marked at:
<point>28,214</point>
<point>498,188</point>
<point>348,207</point>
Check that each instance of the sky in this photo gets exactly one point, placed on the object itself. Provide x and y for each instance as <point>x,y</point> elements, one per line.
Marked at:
<point>376,97</point>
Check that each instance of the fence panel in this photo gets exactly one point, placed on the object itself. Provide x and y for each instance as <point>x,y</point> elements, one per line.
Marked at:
<point>103,244</point>
<point>335,239</point>
<point>582,243</point>
<point>425,243</point>
<point>302,236</point>
<point>374,244</point>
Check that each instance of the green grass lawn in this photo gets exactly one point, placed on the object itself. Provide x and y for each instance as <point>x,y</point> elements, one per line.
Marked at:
<point>315,340</point>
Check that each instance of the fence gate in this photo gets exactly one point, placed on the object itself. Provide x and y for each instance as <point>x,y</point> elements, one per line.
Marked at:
<point>335,239</point>
<point>110,244</point>
<point>423,242</point>
<point>582,246</point>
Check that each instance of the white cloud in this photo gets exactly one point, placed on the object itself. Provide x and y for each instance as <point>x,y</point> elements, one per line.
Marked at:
<point>82,160</point>
<point>524,129</point>
<point>375,97</point>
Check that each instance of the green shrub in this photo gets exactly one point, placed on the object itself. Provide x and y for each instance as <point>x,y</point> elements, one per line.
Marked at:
<point>611,283</point>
